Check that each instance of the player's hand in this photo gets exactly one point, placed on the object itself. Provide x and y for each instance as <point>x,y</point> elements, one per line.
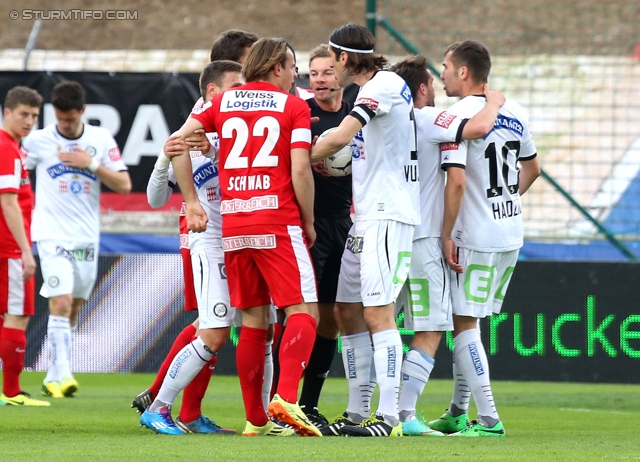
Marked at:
<point>198,141</point>
<point>174,146</point>
<point>314,140</point>
<point>315,120</point>
<point>196,217</point>
<point>309,233</point>
<point>494,96</point>
<point>449,251</point>
<point>78,158</point>
<point>320,168</point>
<point>28,265</point>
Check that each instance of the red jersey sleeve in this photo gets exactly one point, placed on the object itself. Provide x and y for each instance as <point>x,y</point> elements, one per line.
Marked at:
<point>301,124</point>
<point>10,169</point>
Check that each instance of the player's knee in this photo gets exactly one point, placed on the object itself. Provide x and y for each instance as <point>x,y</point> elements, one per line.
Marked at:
<point>214,338</point>
<point>60,306</point>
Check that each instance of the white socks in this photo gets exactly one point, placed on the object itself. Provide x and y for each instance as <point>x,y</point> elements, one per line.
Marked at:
<point>388,359</point>
<point>59,335</point>
<point>471,360</point>
<point>184,367</point>
<point>416,368</point>
<point>461,393</point>
<point>356,357</point>
<point>268,375</point>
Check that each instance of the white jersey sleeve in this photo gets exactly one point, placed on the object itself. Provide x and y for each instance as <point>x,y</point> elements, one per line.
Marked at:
<point>159,188</point>
<point>32,158</point>
<point>110,156</point>
<point>490,219</point>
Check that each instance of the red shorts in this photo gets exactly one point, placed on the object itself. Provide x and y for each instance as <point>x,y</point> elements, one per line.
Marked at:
<point>190,300</point>
<point>268,263</point>
<point>17,296</point>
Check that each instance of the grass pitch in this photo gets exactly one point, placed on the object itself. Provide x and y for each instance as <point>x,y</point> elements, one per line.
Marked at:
<point>544,421</point>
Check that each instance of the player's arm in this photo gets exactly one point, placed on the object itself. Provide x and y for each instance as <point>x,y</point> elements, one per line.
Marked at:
<point>483,122</point>
<point>303,187</point>
<point>13,217</point>
<point>176,148</point>
<point>118,181</point>
<point>453,195</point>
<point>158,189</point>
<point>337,139</point>
<point>529,171</point>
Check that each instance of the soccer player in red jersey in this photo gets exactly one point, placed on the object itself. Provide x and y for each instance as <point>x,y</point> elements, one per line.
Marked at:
<point>267,223</point>
<point>17,265</point>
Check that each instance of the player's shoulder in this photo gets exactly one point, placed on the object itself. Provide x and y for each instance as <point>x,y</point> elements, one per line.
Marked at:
<point>39,137</point>
<point>95,131</point>
<point>427,114</point>
<point>512,107</point>
<point>469,105</point>
<point>44,132</point>
<point>384,81</point>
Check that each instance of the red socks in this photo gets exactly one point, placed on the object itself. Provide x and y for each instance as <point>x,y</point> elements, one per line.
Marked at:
<point>13,344</point>
<point>181,341</point>
<point>295,351</point>
<point>250,364</point>
<point>194,392</point>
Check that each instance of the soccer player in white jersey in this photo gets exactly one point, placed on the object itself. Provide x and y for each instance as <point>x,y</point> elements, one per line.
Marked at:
<point>377,255</point>
<point>482,234</point>
<point>71,160</point>
<point>428,311</point>
<point>215,312</point>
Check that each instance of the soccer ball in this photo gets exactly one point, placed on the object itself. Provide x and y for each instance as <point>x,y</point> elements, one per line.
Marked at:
<point>338,164</point>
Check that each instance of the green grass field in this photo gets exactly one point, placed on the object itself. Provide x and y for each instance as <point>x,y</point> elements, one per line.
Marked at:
<point>544,421</point>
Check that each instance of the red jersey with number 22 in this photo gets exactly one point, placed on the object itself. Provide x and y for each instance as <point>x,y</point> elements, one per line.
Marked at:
<point>258,125</point>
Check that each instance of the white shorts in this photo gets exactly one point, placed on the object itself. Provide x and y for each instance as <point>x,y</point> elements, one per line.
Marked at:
<point>68,268</point>
<point>375,263</point>
<point>427,295</point>
<point>212,291</point>
<point>479,291</point>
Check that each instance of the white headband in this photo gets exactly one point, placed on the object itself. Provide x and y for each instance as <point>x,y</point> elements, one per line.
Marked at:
<point>353,50</point>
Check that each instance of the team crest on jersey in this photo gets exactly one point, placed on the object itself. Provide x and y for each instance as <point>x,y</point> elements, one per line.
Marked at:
<point>53,281</point>
<point>91,151</point>
<point>75,187</point>
<point>369,102</point>
<point>444,119</point>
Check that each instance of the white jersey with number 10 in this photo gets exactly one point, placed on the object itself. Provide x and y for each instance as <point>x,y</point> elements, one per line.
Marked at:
<point>490,219</point>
